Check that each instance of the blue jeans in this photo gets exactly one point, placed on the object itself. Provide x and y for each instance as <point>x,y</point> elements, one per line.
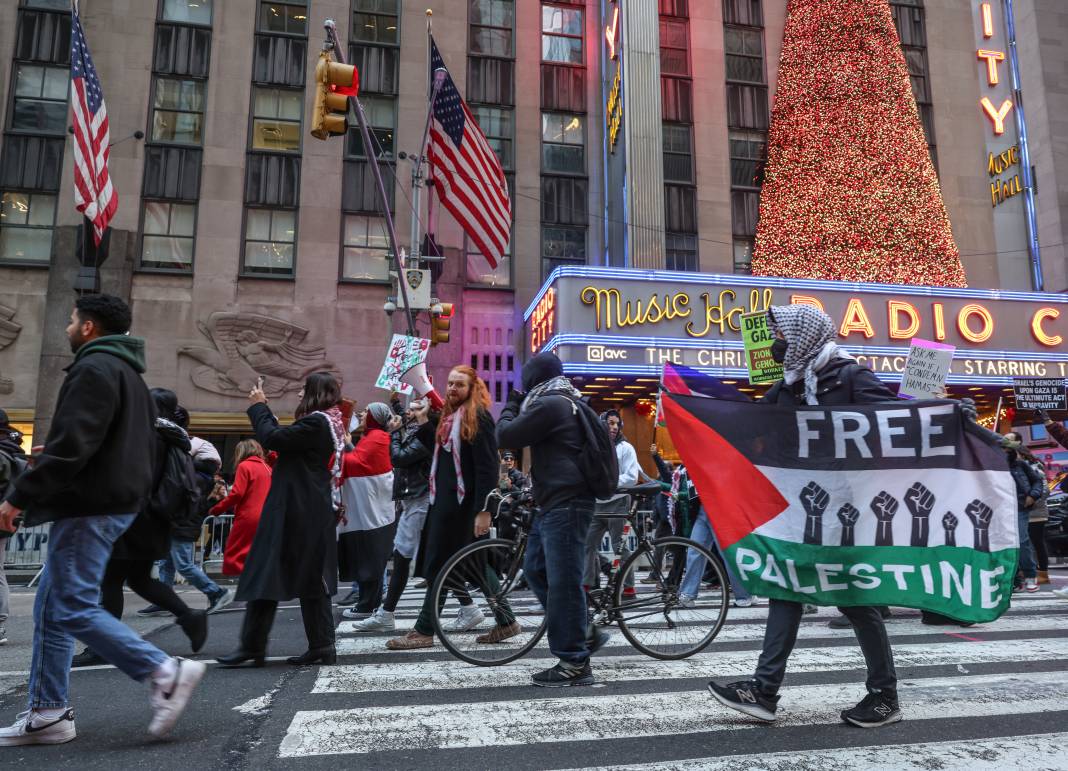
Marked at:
<point>556,557</point>
<point>695,563</point>
<point>67,607</point>
<point>181,559</point>
<point>1028,566</point>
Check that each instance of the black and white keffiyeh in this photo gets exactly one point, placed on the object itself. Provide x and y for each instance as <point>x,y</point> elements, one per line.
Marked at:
<point>810,340</point>
<point>558,385</point>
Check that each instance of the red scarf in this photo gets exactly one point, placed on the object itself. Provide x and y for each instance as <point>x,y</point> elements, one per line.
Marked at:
<point>451,431</point>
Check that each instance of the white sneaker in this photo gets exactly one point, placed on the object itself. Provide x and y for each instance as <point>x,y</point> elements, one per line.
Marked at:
<point>31,728</point>
<point>467,619</point>
<point>354,615</point>
<point>1062,593</point>
<point>220,601</point>
<point>1031,584</point>
<point>687,602</point>
<point>168,702</point>
<point>746,603</point>
<point>380,621</point>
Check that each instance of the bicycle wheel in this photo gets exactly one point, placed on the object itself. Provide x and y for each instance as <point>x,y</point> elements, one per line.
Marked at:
<point>657,620</point>
<point>509,621</point>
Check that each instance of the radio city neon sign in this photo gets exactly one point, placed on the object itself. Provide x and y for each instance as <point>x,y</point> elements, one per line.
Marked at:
<point>996,114</point>
<point>543,320</point>
<point>613,109</point>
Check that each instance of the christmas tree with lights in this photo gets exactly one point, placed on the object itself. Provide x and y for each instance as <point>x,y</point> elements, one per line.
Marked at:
<point>850,193</point>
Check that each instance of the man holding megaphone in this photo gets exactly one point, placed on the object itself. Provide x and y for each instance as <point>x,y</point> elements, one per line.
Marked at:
<point>418,379</point>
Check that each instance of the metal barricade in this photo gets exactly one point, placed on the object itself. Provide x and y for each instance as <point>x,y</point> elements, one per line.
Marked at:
<point>212,542</point>
<point>27,548</point>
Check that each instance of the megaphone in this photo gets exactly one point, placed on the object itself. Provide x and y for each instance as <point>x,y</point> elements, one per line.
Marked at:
<point>417,378</point>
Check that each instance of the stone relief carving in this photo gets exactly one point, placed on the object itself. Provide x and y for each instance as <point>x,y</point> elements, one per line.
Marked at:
<point>9,330</point>
<point>248,346</point>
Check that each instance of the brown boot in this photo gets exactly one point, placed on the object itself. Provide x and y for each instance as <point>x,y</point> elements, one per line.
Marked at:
<point>1043,576</point>
<point>410,641</point>
<point>499,634</point>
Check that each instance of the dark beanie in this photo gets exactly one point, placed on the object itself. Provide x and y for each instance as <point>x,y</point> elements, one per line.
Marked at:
<point>544,366</point>
<point>4,422</point>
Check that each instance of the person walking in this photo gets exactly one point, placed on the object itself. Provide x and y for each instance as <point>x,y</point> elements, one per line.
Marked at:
<point>410,451</point>
<point>294,553</point>
<point>614,507</point>
<point>252,482</point>
<point>512,479</point>
<point>89,481</point>
<point>1030,488</point>
<point>365,534</point>
<point>13,461</point>
<point>542,417</point>
<point>816,372</point>
<point>463,474</point>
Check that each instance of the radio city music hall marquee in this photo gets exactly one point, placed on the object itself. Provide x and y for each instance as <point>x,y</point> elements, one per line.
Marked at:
<point>632,321</point>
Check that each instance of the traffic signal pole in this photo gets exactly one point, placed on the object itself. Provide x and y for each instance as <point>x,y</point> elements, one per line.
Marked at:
<point>332,43</point>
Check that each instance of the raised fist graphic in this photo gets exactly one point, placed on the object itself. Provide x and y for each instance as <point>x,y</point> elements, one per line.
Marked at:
<point>980,514</point>
<point>885,506</point>
<point>815,499</point>
<point>848,516</point>
<point>949,524</point>
<point>919,501</point>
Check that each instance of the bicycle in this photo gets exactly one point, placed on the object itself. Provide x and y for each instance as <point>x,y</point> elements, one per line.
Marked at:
<point>656,620</point>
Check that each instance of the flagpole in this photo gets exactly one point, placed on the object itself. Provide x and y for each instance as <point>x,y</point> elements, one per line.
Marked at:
<point>417,167</point>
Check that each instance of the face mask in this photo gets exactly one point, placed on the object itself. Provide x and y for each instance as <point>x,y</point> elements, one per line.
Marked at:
<point>778,350</point>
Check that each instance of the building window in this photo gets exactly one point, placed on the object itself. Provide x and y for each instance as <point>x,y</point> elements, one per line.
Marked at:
<point>375,21</point>
<point>678,153</point>
<point>563,143</point>
<point>674,47</point>
<point>365,249</point>
<point>749,153</point>
<point>746,12</point>
<point>561,34</point>
<point>497,124</point>
<point>745,210</point>
<point>178,111</point>
<point>270,236</point>
<point>479,271</point>
<point>747,107</point>
<point>743,255</point>
<point>381,122</point>
<point>678,8</point>
<point>745,54</point>
<point>188,11</point>
<point>562,246</point>
<point>276,118</point>
<point>48,5</point>
<point>169,230</point>
<point>40,99</point>
<point>26,222</point>
<point>492,22</point>
<point>283,18</point>
<point>682,252</point>
<point>676,97</point>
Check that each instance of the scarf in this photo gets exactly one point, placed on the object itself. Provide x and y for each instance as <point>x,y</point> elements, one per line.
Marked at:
<point>559,386</point>
<point>336,423</point>
<point>450,445</point>
<point>810,341</point>
<point>672,504</point>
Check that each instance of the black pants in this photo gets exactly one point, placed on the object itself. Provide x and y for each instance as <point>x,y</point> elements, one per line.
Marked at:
<point>259,618</point>
<point>1037,531</point>
<point>137,574</point>
<point>784,618</point>
<point>398,579</point>
<point>370,595</point>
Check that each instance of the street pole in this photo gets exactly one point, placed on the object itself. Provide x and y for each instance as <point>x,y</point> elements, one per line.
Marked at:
<point>416,244</point>
<point>391,231</point>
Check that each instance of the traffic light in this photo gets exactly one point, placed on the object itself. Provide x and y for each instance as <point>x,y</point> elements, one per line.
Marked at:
<point>440,323</point>
<point>334,84</point>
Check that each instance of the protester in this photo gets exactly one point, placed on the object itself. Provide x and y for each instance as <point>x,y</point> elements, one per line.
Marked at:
<point>661,521</point>
<point>365,534</point>
<point>614,507</point>
<point>252,482</point>
<point>13,461</point>
<point>1038,515</point>
<point>410,452</point>
<point>294,552</point>
<point>542,417</point>
<point>89,481</point>
<point>1030,487</point>
<point>817,372</point>
<point>1060,435</point>
<point>463,474</point>
<point>511,477</point>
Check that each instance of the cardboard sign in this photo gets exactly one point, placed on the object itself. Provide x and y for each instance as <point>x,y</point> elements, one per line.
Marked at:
<point>926,370</point>
<point>403,354</point>
<point>1039,393</point>
<point>758,337</point>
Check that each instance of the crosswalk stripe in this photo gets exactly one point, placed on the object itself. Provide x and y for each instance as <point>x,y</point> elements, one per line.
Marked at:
<point>438,675</point>
<point>536,721</point>
<point>1034,751</point>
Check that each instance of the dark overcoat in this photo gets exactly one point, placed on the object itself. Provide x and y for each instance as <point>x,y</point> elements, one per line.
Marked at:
<point>294,553</point>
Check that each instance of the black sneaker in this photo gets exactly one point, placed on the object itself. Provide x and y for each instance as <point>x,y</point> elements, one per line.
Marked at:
<point>874,710</point>
<point>153,610</point>
<point>86,659</point>
<point>596,638</point>
<point>840,622</point>
<point>349,599</point>
<point>564,675</point>
<point>745,696</point>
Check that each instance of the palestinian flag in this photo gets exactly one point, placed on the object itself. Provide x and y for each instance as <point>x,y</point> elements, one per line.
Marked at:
<point>875,504</point>
<point>687,381</point>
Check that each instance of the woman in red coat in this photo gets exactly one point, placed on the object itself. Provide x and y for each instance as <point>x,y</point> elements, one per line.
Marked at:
<point>252,481</point>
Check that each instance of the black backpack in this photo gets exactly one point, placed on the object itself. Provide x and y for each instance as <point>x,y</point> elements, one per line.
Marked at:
<point>177,496</point>
<point>598,462</point>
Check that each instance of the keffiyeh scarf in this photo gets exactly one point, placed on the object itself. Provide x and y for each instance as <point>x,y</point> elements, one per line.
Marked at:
<point>451,445</point>
<point>337,431</point>
<point>559,385</point>
<point>810,335</point>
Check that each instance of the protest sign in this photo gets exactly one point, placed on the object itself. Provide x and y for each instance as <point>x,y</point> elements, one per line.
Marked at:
<point>757,338</point>
<point>1039,393</point>
<point>926,370</point>
<point>404,353</point>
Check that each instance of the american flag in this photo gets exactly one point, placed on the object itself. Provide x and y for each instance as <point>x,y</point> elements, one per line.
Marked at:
<point>468,176</point>
<point>93,194</point>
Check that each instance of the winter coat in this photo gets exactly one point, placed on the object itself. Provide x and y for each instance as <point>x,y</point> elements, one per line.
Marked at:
<point>252,482</point>
<point>841,381</point>
<point>450,523</point>
<point>97,458</point>
<point>1029,483</point>
<point>367,484</point>
<point>410,451</point>
<point>294,552</point>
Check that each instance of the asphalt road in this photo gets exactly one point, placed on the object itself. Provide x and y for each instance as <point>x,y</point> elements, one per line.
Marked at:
<point>994,696</point>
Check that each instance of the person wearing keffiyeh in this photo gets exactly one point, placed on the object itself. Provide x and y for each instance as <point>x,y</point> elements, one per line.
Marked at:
<point>294,552</point>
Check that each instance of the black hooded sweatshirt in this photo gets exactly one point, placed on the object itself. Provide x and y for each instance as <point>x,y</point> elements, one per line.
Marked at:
<point>551,431</point>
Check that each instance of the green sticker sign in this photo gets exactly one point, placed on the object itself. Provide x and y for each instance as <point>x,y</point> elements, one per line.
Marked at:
<point>758,337</point>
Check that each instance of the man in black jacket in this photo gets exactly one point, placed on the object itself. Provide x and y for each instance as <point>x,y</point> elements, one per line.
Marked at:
<point>91,479</point>
<point>12,462</point>
<point>542,417</point>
